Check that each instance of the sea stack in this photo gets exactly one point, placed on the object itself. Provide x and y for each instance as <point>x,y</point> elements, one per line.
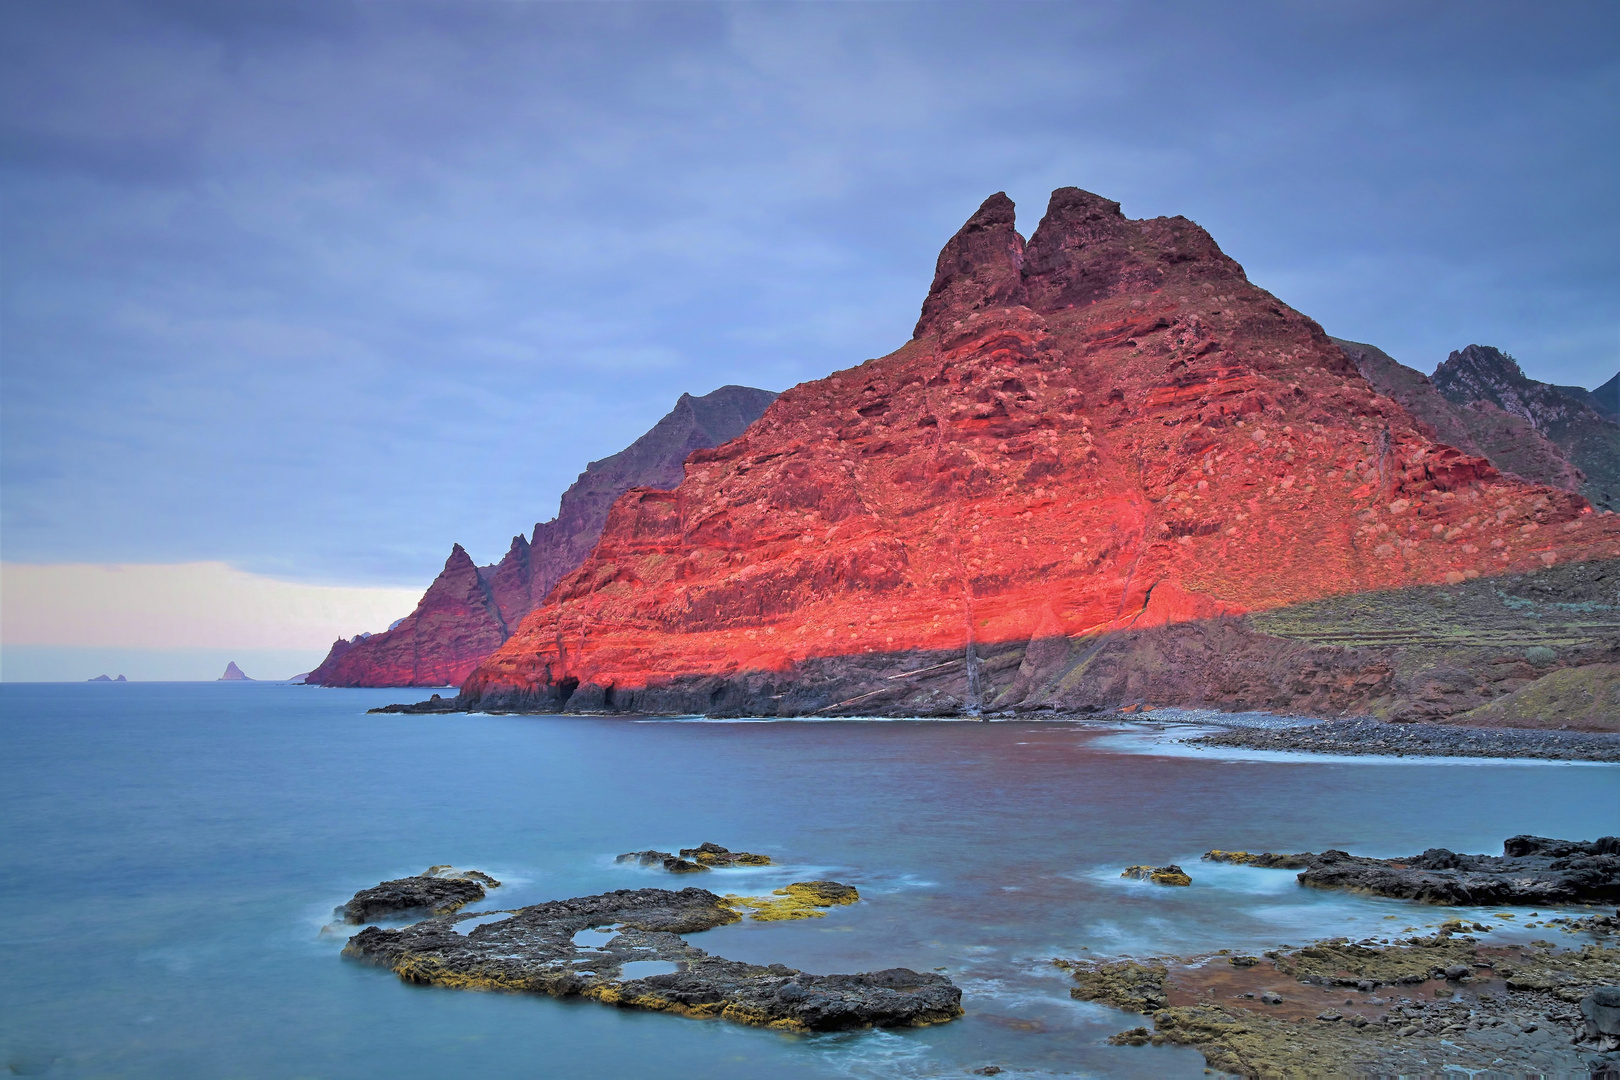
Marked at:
<point>233,674</point>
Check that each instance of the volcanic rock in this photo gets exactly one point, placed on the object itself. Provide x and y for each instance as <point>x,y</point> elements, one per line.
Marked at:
<point>1159,875</point>
<point>233,674</point>
<point>440,890</point>
<point>1483,378</point>
<point>1530,870</point>
<point>1143,444</point>
<point>533,950</point>
<point>1475,426</point>
<point>469,611</point>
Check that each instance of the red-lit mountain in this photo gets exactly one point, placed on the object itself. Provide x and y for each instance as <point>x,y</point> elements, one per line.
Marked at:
<point>1098,452</point>
<point>469,610</point>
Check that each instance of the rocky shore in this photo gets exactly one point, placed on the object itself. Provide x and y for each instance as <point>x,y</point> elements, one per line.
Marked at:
<point>1365,735</point>
<point>536,949</point>
<point>439,890</point>
<point>1532,870</point>
<point>1424,1006</point>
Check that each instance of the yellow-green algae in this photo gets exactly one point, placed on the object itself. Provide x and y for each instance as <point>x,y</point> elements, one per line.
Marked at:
<point>1159,875</point>
<point>798,901</point>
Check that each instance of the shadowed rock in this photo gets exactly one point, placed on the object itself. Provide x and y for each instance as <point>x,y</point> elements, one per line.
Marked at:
<point>439,891</point>
<point>1530,870</point>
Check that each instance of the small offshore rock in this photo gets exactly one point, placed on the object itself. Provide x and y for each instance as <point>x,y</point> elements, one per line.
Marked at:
<point>1159,875</point>
<point>435,892</point>
<point>711,854</point>
<point>705,856</point>
<point>1531,870</point>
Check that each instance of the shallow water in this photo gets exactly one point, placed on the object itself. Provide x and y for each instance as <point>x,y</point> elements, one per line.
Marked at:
<point>174,853</point>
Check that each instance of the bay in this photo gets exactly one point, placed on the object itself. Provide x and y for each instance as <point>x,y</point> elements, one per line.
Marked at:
<point>173,853</point>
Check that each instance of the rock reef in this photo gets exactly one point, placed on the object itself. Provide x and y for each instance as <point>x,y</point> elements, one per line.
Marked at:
<point>1159,875</point>
<point>439,890</point>
<point>705,856</point>
<point>1421,1007</point>
<point>533,949</point>
<point>1531,870</point>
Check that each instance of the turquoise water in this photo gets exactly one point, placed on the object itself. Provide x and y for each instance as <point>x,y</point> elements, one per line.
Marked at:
<point>174,851</point>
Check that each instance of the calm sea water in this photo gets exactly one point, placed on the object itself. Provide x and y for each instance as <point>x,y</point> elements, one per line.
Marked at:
<point>172,853</point>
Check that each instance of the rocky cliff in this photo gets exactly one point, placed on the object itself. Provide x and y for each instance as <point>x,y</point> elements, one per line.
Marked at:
<point>1489,383</point>
<point>1473,425</point>
<point>1101,449</point>
<point>469,610</point>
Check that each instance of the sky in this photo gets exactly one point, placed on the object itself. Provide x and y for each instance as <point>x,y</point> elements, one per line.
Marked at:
<point>313,290</point>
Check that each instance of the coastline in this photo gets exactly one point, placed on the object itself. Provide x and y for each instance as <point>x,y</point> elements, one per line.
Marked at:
<point>1365,736</point>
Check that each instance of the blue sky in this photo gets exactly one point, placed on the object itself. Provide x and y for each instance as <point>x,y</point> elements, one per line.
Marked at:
<point>315,290</point>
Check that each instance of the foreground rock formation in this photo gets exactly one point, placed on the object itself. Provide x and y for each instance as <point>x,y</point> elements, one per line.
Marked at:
<point>533,950</point>
<point>1532,870</point>
<point>470,610</point>
<point>1099,453</point>
<point>1417,1008</point>
<point>438,891</point>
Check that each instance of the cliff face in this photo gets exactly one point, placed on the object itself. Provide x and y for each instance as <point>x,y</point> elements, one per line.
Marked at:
<point>1128,437</point>
<point>469,610</point>
<point>1474,425</point>
<point>1486,381</point>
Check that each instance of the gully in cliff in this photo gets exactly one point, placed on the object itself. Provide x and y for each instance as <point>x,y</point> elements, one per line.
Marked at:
<point>1103,461</point>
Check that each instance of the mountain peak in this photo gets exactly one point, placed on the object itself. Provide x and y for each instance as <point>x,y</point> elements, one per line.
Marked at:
<point>980,267</point>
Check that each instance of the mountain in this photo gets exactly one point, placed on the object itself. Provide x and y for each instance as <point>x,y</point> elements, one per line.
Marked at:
<point>1475,426</point>
<point>1484,379</point>
<point>105,678</point>
<point>233,674</point>
<point>1103,459</point>
<point>469,610</point>
<point>1605,399</point>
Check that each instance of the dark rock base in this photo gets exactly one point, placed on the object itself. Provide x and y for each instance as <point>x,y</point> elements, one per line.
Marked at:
<point>533,950</point>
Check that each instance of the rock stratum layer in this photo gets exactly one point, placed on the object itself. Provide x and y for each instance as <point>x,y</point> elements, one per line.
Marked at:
<point>470,610</point>
<point>1103,448</point>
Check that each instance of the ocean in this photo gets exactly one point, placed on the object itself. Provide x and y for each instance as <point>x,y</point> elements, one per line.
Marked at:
<point>174,851</point>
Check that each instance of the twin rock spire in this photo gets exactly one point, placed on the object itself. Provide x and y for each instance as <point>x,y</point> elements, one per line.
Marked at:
<point>1083,250</point>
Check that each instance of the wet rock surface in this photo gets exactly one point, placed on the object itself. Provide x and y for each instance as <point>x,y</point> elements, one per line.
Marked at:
<point>1364,735</point>
<point>691,860</point>
<point>799,900</point>
<point>535,950</point>
<point>1159,875</point>
<point>1420,1007</point>
<point>440,890</point>
<point>1530,870</point>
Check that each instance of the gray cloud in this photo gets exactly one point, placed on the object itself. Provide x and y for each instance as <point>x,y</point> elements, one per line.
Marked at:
<point>319,288</point>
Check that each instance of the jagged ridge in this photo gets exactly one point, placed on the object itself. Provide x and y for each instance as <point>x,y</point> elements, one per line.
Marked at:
<point>1131,435</point>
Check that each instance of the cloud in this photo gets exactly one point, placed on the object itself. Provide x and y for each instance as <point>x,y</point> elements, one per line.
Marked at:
<point>319,289</point>
<point>205,605</point>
